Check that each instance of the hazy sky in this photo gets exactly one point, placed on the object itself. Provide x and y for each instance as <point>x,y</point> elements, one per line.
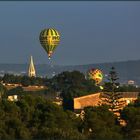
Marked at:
<point>91,32</point>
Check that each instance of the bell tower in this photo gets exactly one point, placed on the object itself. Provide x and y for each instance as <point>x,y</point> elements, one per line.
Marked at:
<point>31,70</point>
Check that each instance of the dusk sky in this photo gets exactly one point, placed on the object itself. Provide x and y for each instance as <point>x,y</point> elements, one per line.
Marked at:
<point>91,32</point>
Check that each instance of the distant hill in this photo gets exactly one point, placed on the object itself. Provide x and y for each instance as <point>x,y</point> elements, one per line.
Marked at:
<point>127,70</point>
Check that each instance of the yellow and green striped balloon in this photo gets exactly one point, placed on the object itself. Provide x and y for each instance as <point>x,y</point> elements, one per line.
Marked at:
<point>49,39</point>
<point>95,74</point>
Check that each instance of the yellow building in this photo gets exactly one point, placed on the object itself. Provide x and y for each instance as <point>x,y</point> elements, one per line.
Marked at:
<point>85,101</point>
<point>95,99</point>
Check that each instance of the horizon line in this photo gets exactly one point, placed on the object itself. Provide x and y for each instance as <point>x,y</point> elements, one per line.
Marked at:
<point>119,61</point>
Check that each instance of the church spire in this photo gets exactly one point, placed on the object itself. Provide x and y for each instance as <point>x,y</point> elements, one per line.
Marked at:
<point>31,70</point>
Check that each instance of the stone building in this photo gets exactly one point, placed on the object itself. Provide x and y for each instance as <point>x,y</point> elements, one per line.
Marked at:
<point>95,99</point>
<point>31,70</point>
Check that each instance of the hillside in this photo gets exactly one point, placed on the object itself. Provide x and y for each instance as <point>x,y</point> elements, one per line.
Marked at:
<point>127,70</point>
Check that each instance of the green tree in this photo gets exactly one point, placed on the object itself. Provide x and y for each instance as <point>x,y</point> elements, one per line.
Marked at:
<point>3,91</point>
<point>25,81</point>
<point>11,126</point>
<point>72,84</point>
<point>131,114</point>
<point>100,123</point>
<point>36,81</point>
<point>128,88</point>
<point>15,91</point>
<point>137,102</point>
<point>34,117</point>
<point>10,78</point>
<point>110,95</point>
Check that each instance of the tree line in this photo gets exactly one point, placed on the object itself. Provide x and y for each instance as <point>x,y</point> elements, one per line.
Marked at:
<point>23,80</point>
<point>33,116</point>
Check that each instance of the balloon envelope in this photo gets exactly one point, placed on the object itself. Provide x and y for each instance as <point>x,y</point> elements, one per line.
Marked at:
<point>95,74</point>
<point>49,39</point>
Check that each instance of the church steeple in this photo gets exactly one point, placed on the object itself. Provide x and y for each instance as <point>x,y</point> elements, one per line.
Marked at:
<point>31,70</point>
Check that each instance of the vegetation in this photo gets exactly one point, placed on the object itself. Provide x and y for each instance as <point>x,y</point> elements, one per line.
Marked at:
<point>23,80</point>
<point>100,123</point>
<point>111,95</point>
<point>131,114</point>
<point>129,88</point>
<point>35,116</point>
<point>71,85</point>
<point>3,91</point>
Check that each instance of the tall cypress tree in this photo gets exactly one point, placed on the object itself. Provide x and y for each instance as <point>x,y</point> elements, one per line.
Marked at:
<point>110,95</point>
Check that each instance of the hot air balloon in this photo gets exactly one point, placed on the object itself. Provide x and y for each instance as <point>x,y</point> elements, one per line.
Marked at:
<point>95,74</point>
<point>49,39</point>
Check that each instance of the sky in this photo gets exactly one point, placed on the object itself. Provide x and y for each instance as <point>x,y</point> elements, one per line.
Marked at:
<point>91,32</point>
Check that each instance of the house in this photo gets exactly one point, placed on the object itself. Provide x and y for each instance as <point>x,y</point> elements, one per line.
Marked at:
<point>13,98</point>
<point>85,101</point>
<point>95,99</point>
